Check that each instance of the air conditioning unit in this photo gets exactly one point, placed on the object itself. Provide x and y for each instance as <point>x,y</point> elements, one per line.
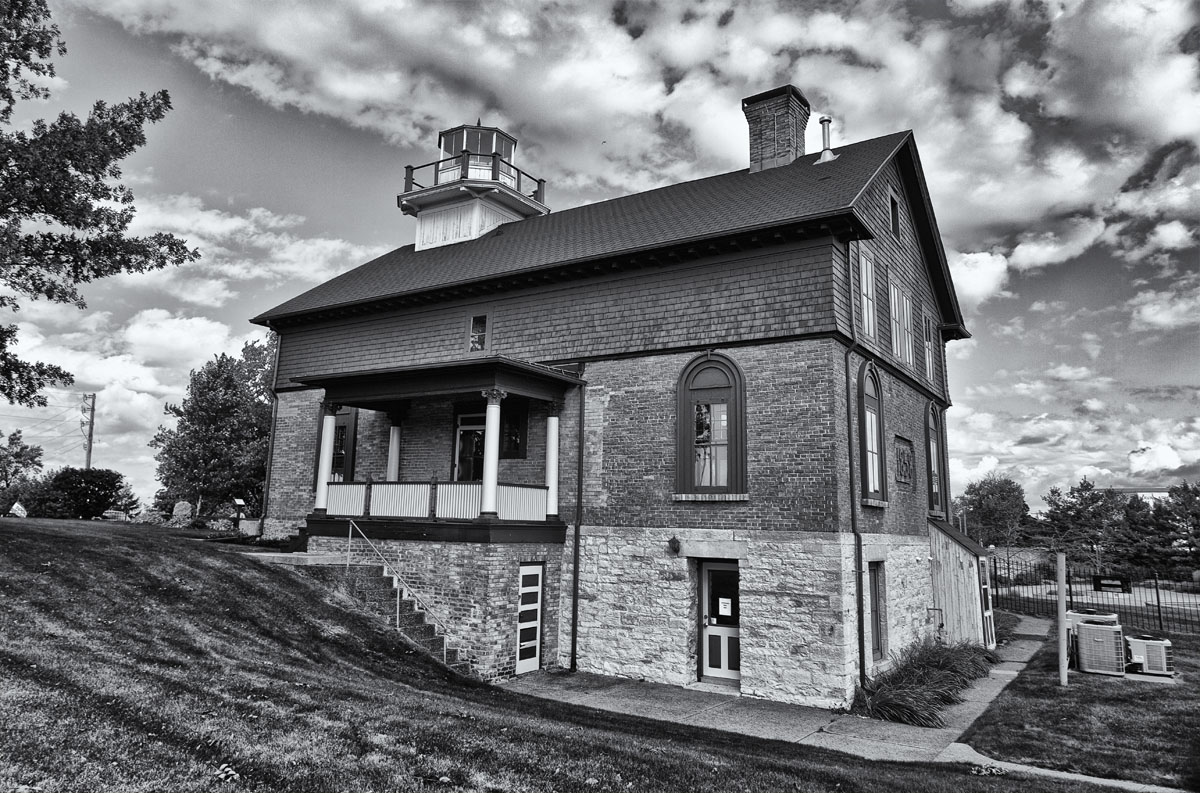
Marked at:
<point>1151,655</point>
<point>1100,648</point>
<point>1076,616</point>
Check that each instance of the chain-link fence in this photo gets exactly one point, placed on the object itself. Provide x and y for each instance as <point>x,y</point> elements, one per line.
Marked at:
<point>1141,599</point>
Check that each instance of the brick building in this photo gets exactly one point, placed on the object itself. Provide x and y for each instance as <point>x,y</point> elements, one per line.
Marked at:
<point>693,435</point>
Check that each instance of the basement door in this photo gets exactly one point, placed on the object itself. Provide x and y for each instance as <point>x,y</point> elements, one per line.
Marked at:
<point>720,637</point>
<point>529,619</point>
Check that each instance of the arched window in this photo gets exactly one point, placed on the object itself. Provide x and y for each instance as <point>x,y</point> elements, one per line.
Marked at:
<point>710,431</point>
<point>933,466</point>
<point>870,431</point>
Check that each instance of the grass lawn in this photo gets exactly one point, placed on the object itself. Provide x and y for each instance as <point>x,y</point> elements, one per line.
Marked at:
<point>1099,725</point>
<point>138,659</point>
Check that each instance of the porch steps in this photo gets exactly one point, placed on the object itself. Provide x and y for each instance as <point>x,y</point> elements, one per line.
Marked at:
<point>377,592</point>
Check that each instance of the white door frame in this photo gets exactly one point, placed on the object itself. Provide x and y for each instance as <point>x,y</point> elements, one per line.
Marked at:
<point>725,640</point>
<point>470,422</point>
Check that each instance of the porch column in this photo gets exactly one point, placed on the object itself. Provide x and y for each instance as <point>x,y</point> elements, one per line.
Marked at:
<point>491,451</point>
<point>552,459</point>
<point>325,461</point>
<point>393,461</point>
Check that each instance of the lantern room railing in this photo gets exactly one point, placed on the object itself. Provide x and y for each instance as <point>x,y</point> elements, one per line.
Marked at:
<point>491,167</point>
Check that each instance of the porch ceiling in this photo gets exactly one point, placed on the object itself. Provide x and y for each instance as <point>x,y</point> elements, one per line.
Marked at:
<point>377,389</point>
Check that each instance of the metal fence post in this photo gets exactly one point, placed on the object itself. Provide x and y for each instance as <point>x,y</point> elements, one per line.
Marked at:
<point>1158,600</point>
<point>1070,589</point>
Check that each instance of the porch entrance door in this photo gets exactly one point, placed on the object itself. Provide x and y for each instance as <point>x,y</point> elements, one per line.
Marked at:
<point>529,619</point>
<point>468,448</point>
<point>720,635</point>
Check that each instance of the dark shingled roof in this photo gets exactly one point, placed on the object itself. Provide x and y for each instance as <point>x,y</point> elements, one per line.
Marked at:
<point>705,208</point>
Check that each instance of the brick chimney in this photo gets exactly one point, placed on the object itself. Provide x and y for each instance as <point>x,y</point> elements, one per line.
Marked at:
<point>777,119</point>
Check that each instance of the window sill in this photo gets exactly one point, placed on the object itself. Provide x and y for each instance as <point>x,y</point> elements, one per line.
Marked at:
<point>710,497</point>
<point>937,513</point>
<point>874,502</point>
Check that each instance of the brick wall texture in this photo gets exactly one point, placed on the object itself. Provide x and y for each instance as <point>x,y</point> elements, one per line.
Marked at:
<point>472,589</point>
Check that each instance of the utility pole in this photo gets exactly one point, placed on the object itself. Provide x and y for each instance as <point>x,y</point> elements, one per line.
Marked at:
<point>89,409</point>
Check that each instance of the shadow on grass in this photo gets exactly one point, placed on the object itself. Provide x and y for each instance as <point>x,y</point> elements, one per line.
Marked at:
<point>136,659</point>
<point>1112,727</point>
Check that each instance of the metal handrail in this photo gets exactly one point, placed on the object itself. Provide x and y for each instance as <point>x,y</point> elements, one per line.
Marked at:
<point>403,586</point>
<point>463,160</point>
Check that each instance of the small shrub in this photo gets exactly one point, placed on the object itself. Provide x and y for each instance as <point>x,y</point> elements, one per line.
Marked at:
<point>925,677</point>
<point>1005,623</point>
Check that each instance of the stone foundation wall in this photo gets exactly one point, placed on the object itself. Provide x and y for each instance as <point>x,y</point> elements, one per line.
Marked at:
<point>639,606</point>
<point>473,588</point>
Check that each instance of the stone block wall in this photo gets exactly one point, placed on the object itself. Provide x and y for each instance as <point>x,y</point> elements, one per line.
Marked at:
<point>473,590</point>
<point>910,614</point>
<point>639,609</point>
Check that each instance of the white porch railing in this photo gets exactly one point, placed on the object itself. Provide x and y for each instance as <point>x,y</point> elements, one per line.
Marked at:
<point>434,499</point>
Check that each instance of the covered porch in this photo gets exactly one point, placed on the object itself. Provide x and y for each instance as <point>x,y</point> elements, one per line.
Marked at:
<point>464,450</point>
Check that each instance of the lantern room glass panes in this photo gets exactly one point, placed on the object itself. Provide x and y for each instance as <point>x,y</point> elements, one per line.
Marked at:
<point>481,143</point>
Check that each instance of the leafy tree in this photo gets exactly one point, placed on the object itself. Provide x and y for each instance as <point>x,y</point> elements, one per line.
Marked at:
<point>18,460</point>
<point>218,449</point>
<point>63,215</point>
<point>1085,523</point>
<point>73,493</point>
<point>995,508</point>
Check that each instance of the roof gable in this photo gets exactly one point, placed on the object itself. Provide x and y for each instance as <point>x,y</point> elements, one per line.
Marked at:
<point>703,209</point>
<point>912,177</point>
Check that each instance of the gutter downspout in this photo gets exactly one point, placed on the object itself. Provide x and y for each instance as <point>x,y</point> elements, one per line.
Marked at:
<point>858,544</point>
<point>578,524</point>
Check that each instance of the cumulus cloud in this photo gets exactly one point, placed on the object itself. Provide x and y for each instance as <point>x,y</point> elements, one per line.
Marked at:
<point>256,245</point>
<point>978,277</point>
<point>1166,310</point>
<point>665,79</point>
<point>1056,246</point>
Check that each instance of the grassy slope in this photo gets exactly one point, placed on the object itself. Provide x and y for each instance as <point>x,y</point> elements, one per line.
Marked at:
<point>1099,725</point>
<point>134,659</point>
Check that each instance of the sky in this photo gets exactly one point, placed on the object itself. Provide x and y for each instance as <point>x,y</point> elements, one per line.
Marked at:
<point>1060,142</point>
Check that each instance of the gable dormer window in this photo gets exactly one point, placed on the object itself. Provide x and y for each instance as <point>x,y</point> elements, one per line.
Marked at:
<point>866,287</point>
<point>902,324</point>
<point>477,340</point>
<point>895,215</point>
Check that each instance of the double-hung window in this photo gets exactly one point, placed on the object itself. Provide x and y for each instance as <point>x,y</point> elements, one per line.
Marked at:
<point>477,333</point>
<point>866,286</point>
<point>710,432</point>
<point>937,482</point>
<point>902,324</point>
<point>930,332</point>
<point>870,427</point>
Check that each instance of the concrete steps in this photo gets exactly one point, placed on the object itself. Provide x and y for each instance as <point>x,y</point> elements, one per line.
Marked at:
<point>376,591</point>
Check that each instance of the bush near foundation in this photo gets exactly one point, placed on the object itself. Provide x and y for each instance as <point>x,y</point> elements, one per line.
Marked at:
<point>924,678</point>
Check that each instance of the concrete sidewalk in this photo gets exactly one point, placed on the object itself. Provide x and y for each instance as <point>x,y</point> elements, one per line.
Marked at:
<point>712,707</point>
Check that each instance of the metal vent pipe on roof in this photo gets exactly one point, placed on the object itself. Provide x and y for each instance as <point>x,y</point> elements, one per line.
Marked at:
<point>827,154</point>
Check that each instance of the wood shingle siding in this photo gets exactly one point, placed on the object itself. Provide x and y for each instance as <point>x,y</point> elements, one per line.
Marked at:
<point>729,299</point>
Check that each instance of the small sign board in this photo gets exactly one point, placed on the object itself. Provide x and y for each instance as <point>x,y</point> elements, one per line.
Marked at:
<point>725,607</point>
<point>1112,583</point>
